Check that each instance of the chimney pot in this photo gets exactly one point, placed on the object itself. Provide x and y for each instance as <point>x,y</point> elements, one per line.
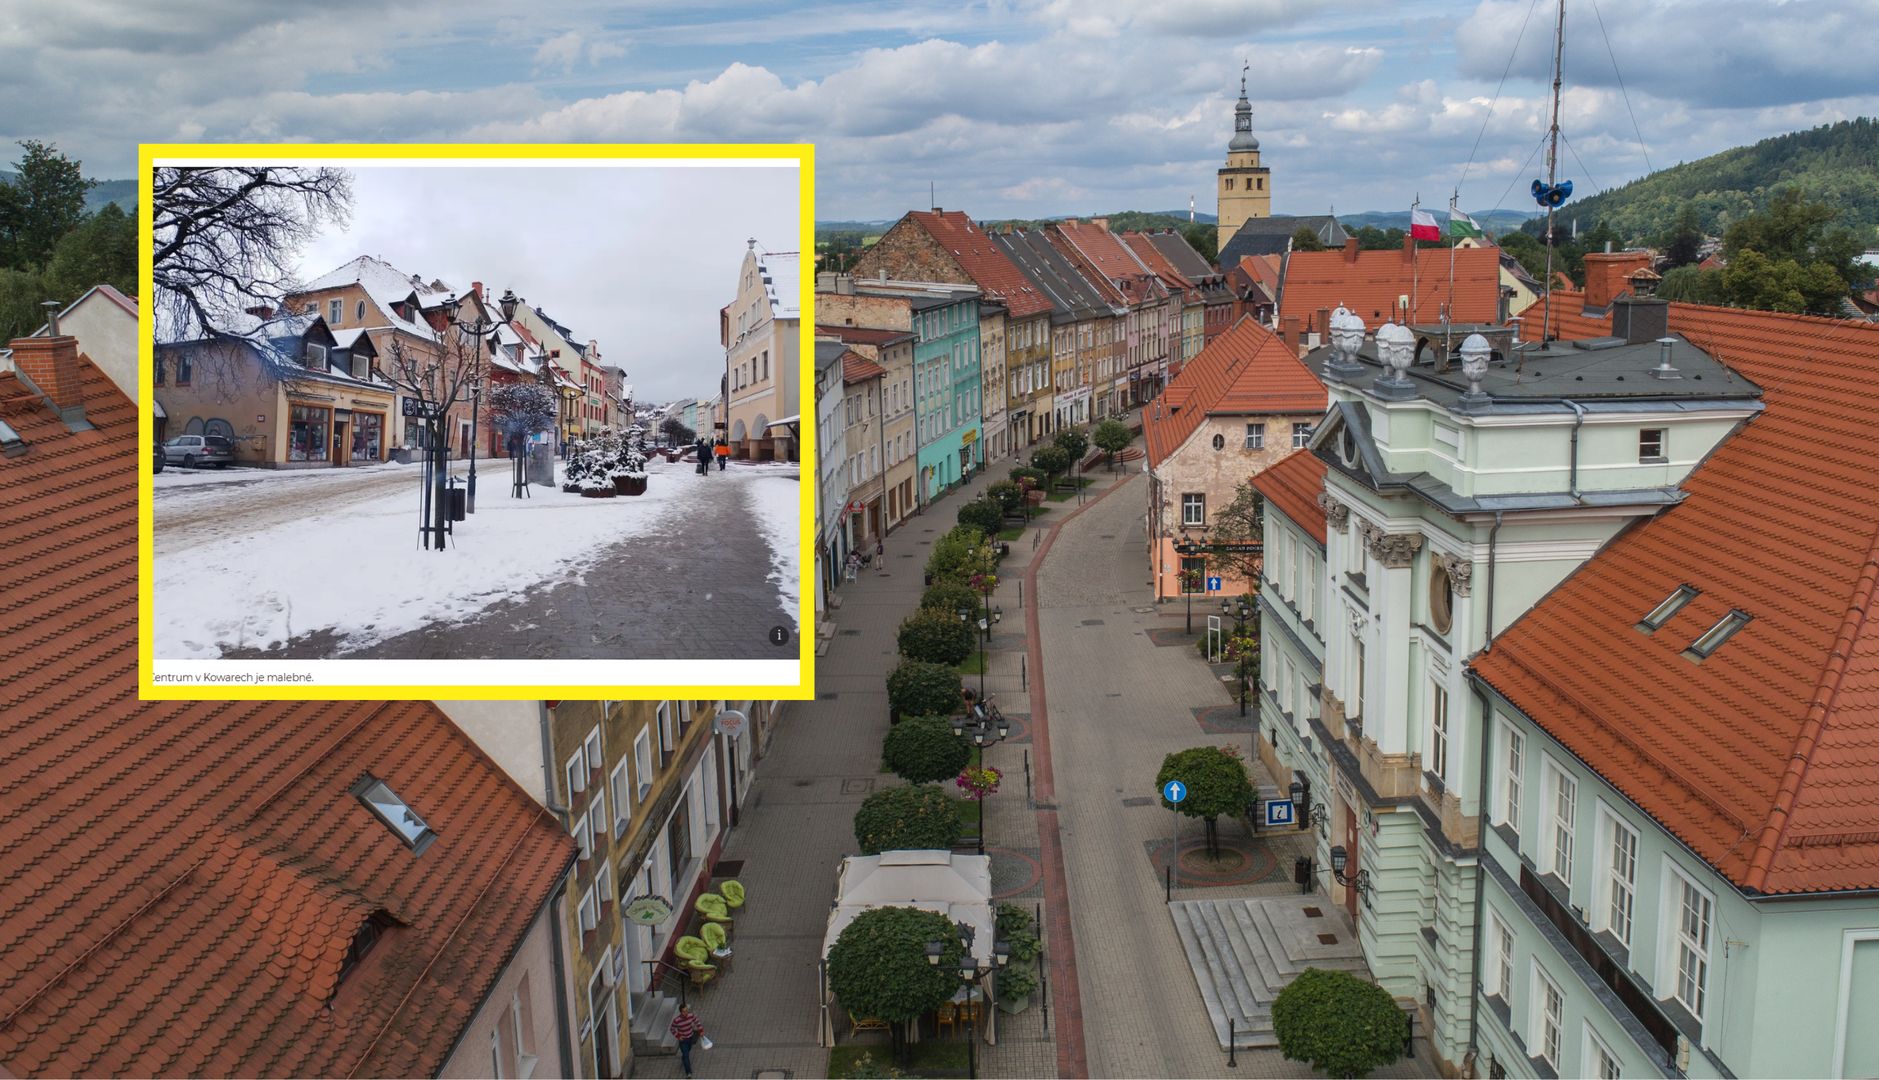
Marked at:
<point>477,288</point>
<point>1350,249</point>
<point>1409,248</point>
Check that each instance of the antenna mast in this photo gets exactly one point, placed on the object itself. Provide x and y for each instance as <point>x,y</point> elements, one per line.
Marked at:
<point>1552,168</point>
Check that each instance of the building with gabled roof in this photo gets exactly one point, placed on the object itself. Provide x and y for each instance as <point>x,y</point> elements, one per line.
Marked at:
<point>1274,235</point>
<point>1085,328</point>
<point>759,330</point>
<point>1243,405</point>
<point>232,888</point>
<point>895,434</point>
<point>1376,285</point>
<point>1137,368</point>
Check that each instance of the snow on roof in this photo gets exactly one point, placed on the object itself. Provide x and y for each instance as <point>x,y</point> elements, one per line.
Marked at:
<point>782,271</point>
<point>386,285</point>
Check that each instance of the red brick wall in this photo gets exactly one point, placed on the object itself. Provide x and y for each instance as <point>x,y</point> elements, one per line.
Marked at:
<point>907,252</point>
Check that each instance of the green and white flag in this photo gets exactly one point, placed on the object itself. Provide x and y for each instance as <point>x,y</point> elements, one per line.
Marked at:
<point>1460,225</point>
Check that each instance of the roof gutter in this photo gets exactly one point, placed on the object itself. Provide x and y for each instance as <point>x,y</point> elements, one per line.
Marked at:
<point>563,1018</point>
<point>1487,641</point>
<point>1480,888</point>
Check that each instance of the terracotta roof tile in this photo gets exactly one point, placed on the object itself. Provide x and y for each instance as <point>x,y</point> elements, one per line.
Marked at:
<point>178,886</point>
<point>989,269</point>
<point>1763,758</point>
<point>1246,371</point>
<point>1372,285</point>
<point>858,368</point>
<point>1107,262</point>
<point>1292,488</point>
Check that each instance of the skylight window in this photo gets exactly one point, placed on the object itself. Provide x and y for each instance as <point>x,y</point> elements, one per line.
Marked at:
<point>1672,604</point>
<point>398,816</point>
<point>1713,638</point>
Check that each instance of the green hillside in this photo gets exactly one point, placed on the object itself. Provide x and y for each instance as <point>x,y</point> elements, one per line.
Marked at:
<point>121,192</point>
<point>1837,164</point>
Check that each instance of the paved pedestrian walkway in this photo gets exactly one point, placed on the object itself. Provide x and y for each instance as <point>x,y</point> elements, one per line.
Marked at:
<point>798,825</point>
<point>1117,705</point>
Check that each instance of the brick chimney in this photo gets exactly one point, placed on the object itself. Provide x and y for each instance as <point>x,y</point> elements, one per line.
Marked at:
<point>1288,331</point>
<point>1101,223</point>
<point>1606,273</point>
<point>1321,325</point>
<point>1409,248</point>
<point>50,365</point>
<point>1350,249</point>
<point>477,288</point>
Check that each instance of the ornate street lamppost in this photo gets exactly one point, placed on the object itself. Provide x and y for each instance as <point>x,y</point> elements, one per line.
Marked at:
<point>973,974</point>
<point>986,727</point>
<point>1239,631</point>
<point>476,329</point>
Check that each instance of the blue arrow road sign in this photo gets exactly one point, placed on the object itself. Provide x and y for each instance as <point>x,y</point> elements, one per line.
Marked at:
<point>1213,584</point>
<point>1279,812</point>
<point>1174,791</point>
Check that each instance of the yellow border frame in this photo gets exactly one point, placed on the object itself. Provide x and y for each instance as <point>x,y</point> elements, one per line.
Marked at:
<point>804,157</point>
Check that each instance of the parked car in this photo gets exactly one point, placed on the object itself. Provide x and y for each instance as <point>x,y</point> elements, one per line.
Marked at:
<point>190,451</point>
<point>158,464</point>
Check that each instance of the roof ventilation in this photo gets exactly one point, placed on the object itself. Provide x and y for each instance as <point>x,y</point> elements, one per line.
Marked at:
<point>1663,370</point>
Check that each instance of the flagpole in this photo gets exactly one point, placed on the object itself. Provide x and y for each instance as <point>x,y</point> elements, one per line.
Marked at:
<point>1413,207</point>
<point>1552,163</point>
<point>1448,319</point>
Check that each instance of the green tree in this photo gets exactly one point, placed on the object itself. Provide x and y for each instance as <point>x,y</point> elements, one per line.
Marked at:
<point>1240,521</point>
<point>1009,496</point>
<point>1693,286</point>
<point>1305,238</point>
<point>1683,242</point>
<point>924,750</point>
<point>986,515</point>
<point>1053,460</point>
<point>937,637</point>
<point>1112,437</point>
<point>921,688</point>
<point>675,430</point>
<point>1371,238</point>
<point>1794,228</point>
<point>44,201</point>
<point>952,596</point>
<point>1204,239</point>
<point>1338,1023</point>
<point>1216,784</point>
<point>878,967</point>
<point>961,553</point>
<point>1073,441</point>
<point>20,294</point>
<point>1753,280</point>
<point>1526,248</point>
<point>907,817</point>
<point>102,250</point>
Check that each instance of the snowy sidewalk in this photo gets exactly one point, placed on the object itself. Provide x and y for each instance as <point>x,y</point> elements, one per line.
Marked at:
<point>325,570</point>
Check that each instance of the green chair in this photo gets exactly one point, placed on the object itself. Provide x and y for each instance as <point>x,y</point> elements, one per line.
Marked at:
<point>714,936</point>
<point>733,893</point>
<point>696,954</point>
<point>713,907</point>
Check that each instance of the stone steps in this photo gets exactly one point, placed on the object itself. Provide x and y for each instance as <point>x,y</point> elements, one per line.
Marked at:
<point>1244,951</point>
<point>651,1033</point>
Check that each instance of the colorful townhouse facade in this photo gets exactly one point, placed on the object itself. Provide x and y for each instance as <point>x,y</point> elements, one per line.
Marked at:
<point>1134,290</point>
<point>895,436</point>
<point>762,353</point>
<point>1085,329</point>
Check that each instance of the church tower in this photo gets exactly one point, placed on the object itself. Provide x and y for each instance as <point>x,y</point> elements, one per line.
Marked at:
<point>1244,186</point>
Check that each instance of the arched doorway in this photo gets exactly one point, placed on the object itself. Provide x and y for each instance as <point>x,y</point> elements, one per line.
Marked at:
<point>760,434</point>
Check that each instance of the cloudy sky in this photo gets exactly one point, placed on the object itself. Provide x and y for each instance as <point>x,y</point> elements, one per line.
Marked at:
<point>639,259</point>
<point>1009,107</point>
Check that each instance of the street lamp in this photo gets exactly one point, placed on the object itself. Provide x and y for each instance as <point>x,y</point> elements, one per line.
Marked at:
<point>972,973</point>
<point>1187,549</point>
<point>984,728</point>
<point>476,329</point>
<point>1239,614</point>
<point>1361,882</point>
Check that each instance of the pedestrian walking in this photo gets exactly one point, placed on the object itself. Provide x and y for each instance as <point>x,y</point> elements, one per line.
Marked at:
<point>687,1029</point>
<point>724,454</point>
<point>704,457</point>
<point>853,564</point>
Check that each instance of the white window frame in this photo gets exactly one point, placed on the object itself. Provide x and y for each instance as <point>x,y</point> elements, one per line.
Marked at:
<point>1554,859</point>
<point>603,881</point>
<point>1594,1054</point>
<point>576,771</point>
<point>1193,500</point>
<point>667,741</point>
<point>1500,966</point>
<point>642,764</point>
<point>1285,687</point>
<point>587,913</point>
<point>1546,1017</point>
<point>596,759</point>
<point>621,780</point>
<point>1438,729</point>
<point>583,830</point>
<point>1301,435</point>
<point>1618,876</point>
<point>1675,942</point>
<point>1255,437</point>
<point>1510,776</point>
<point>335,309</point>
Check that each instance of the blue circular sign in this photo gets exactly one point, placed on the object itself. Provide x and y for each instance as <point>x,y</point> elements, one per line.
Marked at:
<point>1174,791</point>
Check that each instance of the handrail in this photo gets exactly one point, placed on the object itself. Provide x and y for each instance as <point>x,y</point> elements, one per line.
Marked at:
<point>669,970</point>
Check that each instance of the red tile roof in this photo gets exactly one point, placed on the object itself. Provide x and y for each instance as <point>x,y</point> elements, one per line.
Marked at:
<point>1261,268</point>
<point>1143,246</point>
<point>858,368</point>
<point>179,882</point>
<point>1292,486</point>
<point>1763,758</point>
<point>1246,371</point>
<point>1103,258</point>
<point>1568,320</point>
<point>1372,284</point>
<point>996,276</point>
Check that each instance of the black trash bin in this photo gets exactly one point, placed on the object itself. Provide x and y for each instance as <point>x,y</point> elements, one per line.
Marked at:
<point>457,503</point>
<point>1301,872</point>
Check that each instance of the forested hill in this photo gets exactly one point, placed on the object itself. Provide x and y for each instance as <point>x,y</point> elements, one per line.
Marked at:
<point>1837,164</point>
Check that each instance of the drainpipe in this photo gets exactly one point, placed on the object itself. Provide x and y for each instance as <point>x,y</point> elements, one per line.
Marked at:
<point>1487,642</point>
<point>1480,887</point>
<point>1572,481</point>
<point>562,1019</point>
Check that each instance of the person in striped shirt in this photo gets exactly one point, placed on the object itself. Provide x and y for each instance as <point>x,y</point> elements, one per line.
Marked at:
<point>686,1028</point>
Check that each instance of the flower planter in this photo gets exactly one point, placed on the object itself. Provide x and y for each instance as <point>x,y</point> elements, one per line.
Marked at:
<point>572,489</point>
<point>1014,1004</point>
<point>629,485</point>
<point>597,493</point>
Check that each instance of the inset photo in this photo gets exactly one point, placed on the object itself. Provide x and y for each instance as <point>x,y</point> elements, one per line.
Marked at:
<point>475,421</point>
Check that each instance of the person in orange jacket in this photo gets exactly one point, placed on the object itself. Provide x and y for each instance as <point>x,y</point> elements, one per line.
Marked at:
<point>724,454</point>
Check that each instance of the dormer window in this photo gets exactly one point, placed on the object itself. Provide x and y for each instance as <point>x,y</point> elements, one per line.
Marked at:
<point>367,936</point>
<point>1672,604</point>
<point>316,356</point>
<point>398,816</point>
<point>1651,446</point>
<point>1713,638</point>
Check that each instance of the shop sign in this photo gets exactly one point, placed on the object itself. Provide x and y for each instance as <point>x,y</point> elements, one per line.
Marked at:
<point>730,723</point>
<point>648,910</point>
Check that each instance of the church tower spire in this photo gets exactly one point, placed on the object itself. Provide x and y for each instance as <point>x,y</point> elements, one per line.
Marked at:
<point>1243,186</point>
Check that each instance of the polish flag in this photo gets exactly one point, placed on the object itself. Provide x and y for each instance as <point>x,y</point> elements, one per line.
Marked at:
<point>1422,225</point>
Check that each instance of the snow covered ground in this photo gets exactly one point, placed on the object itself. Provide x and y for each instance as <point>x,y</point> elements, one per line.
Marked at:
<point>775,495</point>
<point>249,565</point>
